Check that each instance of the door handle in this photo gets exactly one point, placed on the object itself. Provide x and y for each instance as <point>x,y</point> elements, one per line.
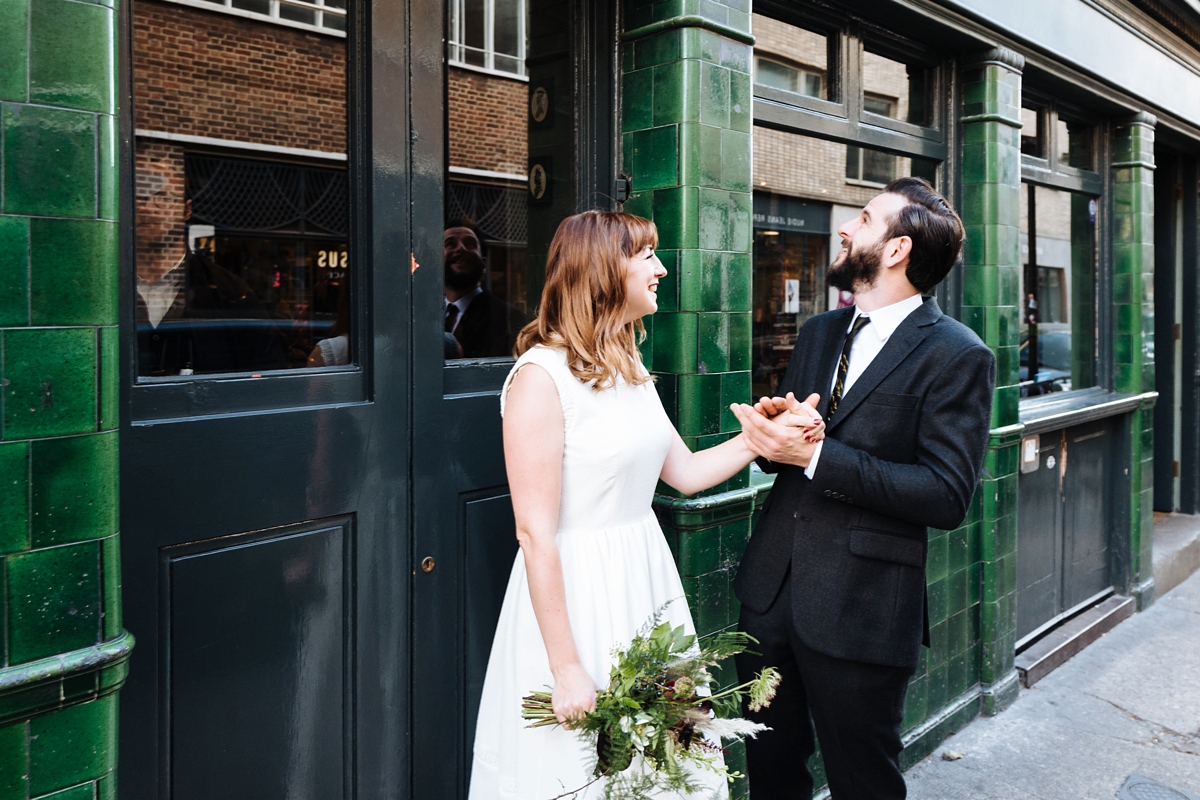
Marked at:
<point>427,564</point>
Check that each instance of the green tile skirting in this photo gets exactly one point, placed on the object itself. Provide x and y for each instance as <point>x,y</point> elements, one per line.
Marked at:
<point>63,680</point>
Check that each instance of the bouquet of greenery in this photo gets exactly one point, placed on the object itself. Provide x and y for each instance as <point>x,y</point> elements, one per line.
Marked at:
<point>660,705</point>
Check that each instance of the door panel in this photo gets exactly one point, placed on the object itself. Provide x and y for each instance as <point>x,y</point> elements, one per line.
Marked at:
<point>1087,513</point>
<point>283,637</point>
<point>1064,525</point>
<point>462,517</point>
<point>1039,538</point>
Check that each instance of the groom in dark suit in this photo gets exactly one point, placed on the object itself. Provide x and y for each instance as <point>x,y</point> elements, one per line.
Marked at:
<point>832,583</point>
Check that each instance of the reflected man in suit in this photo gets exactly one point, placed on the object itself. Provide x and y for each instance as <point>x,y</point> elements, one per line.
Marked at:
<point>478,324</point>
<point>832,582</point>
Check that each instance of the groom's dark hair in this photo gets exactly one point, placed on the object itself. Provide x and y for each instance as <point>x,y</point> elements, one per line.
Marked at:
<point>934,228</point>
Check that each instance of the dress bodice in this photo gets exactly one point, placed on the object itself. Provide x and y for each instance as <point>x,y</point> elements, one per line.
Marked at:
<point>615,443</point>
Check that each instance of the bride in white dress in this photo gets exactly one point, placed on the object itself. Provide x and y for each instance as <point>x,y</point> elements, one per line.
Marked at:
<point>586,440</point>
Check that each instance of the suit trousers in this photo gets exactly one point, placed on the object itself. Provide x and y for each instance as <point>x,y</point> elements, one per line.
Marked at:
<point>856,708</point>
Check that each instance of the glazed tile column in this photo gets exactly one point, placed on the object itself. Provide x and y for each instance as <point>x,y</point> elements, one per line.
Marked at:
<point>686,119</point>
<point>1133,337</point>
<point>991,176</point>
<point>62,648</point>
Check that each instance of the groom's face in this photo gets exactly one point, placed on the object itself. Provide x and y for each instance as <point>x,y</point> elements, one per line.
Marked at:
<point>857,266</point>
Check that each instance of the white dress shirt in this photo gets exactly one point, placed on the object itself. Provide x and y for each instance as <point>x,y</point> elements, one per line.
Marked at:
<point>462,303</point>
<point>868,343</point>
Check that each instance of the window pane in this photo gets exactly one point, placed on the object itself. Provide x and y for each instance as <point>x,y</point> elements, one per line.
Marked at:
<point>506,33</point>
<point>243,263</point>
<point>1058,284</point>
<point>297,14</point>
<point>257,6</point>
<point>801,197</point>
<point>907,88</point>
<point>1031,133</point>
<point>870,166</point>
<point>790,58</point>
<point>473,32</point>
<point>500,200</point>
<point>776,75</point>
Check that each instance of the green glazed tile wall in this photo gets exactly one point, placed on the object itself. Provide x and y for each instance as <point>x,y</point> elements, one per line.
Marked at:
<point>685,124</point>
<point>1133,270</point>
<point>987,544</point>
<point>59,568</point>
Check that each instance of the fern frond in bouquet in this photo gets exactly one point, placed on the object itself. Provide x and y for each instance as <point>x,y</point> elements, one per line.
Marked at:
<point>660,705</point>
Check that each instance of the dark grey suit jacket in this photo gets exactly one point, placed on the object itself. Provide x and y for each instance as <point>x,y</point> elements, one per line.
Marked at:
<point>903,453</point>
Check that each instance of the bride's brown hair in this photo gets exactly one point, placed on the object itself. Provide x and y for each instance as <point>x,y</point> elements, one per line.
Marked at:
<point>585,297</point>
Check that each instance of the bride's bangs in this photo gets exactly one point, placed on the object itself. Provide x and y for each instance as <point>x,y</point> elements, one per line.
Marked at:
<point>584,296</point>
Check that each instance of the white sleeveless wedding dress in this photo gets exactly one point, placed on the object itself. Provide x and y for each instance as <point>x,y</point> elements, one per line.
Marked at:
<point>617,570</point>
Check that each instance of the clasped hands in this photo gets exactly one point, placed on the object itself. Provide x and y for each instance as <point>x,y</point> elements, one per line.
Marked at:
<point>782,429</point>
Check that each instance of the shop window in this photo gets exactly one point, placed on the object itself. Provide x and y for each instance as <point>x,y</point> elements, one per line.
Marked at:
<point>326,16</point>
<point>244,261</point>
<point>797,79</point>
<point>1058,286</point>
<point>801,198</point>
<point>488,34</point>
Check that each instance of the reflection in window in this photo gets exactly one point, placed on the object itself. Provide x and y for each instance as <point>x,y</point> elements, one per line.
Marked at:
<point>243,263</point>
<point>790,58</point>
<point>778,75</point>
<point>1058,284</point>
<point>801,197</point>
<point>489,34</point>
<point>910,84</point>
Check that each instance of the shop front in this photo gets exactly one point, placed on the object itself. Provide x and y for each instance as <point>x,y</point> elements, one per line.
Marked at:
<point>313,231</point>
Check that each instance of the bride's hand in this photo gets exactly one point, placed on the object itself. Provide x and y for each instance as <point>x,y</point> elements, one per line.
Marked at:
<point>791,412</point>
<point>574,694</point>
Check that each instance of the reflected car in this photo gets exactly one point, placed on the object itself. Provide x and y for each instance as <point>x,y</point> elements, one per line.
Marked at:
<point>1054,361</point>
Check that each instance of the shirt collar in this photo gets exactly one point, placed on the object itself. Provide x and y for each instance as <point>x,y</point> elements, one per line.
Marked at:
<point>465,300</point>
<point>885,320</point>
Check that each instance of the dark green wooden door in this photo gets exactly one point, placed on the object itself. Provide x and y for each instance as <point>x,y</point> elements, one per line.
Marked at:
<point>265,494</point>
<point>555,109</point>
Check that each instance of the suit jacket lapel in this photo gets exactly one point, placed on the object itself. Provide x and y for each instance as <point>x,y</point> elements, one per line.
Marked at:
<point>911,332</point>
<point>835,337</point>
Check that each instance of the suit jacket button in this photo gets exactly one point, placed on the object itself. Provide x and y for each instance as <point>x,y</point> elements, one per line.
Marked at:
<point>829,493</point>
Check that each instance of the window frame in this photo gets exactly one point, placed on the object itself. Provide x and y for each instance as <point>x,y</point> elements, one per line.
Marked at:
<point>455,33</point>
<point>1048,171</point>
<point>156,400</point>
<point>843,119</point>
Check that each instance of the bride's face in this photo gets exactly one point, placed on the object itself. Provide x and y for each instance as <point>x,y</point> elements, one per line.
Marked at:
<point>642,273</point>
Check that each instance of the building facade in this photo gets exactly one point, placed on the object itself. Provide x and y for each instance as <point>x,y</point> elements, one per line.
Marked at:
<point>228,333</point>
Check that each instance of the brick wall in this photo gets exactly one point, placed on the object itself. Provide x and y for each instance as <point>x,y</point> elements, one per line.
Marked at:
<point>210,74</point>
<point>487,124</point>
<point>773,37</point>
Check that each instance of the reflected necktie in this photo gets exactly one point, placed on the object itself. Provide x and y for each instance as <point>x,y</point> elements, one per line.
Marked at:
<point>839,386</point>
<point>451,317</point>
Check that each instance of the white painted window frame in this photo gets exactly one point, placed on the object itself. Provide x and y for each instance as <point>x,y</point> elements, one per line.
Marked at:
<point>318,6</point>
<point>456,49</point>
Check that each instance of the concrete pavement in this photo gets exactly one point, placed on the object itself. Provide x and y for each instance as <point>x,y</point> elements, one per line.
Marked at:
<point>1128,704</point>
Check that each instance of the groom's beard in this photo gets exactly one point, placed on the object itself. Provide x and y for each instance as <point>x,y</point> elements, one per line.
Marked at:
<point>860,268</point>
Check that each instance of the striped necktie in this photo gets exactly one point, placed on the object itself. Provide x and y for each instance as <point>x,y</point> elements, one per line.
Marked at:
<point>839,386</point>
